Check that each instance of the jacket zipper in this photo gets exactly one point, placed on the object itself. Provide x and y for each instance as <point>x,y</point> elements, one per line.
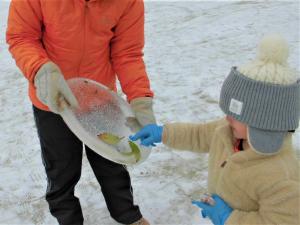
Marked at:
<point>223,164</point>
<point>84,36</point>
<point>237,148</point>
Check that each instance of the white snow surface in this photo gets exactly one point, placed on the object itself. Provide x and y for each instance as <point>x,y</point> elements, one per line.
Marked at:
<point>190,48</point>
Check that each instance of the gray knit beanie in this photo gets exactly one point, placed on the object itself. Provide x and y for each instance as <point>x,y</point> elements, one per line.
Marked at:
<point>265,95</point>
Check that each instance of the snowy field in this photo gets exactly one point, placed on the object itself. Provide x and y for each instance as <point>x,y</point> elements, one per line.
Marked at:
<point>190,48</point>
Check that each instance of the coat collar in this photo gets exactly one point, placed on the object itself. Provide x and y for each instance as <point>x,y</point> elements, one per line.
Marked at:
<point>249,153</point>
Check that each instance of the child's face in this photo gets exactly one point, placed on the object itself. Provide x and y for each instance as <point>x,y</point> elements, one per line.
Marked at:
<point>239,129</point>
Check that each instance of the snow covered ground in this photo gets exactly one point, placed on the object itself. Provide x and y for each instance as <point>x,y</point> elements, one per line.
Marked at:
<point>190,48</point>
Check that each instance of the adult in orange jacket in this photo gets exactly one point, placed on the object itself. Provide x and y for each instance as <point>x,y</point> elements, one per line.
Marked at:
<point>102,40</point>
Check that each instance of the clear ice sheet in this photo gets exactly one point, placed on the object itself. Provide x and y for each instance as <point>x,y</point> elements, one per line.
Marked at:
<point>102,111</point>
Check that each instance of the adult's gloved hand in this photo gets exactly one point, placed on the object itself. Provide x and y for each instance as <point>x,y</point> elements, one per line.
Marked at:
<point>149,135</point>
<point>218,213</point>
<point>142,108</point>
<point>51,87</point>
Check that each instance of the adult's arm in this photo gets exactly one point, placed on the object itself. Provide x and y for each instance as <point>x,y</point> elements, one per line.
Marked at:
<point>24,36</point>
<point>127,52</point>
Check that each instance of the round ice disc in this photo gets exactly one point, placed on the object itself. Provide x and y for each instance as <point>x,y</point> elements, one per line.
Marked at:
<point>103,121</point>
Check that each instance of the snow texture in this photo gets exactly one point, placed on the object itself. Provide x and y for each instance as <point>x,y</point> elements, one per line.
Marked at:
<point>190,48</point>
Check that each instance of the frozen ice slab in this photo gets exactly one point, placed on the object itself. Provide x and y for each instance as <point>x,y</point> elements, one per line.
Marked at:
<point>103,121</point>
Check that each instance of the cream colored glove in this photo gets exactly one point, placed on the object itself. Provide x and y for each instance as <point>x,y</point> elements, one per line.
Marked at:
<point>142,108</point>
<point>52,88</point>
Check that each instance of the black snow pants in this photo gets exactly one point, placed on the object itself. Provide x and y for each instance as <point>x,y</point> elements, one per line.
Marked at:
<point>62,158</point>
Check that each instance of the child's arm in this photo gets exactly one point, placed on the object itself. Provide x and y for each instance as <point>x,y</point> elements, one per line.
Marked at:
<point>193,137</point>
<point>278,204</point>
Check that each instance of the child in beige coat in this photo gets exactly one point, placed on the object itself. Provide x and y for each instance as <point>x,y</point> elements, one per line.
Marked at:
<point>253,170</point>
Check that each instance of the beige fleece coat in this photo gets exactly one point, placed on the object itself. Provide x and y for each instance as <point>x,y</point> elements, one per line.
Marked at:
<point>260,189</point>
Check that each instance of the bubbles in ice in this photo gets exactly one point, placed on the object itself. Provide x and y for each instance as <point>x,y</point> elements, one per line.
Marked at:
<point>101,111</point>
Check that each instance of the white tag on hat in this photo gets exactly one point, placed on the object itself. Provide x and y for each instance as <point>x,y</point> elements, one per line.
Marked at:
<point>235,106</point>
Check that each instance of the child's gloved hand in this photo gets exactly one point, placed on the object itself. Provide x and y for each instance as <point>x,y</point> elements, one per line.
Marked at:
<point>218,213</point>
<point>149,135</point>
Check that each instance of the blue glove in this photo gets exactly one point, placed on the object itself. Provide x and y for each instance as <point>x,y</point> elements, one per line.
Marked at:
<point>149,135</point>
<point>218,213</point>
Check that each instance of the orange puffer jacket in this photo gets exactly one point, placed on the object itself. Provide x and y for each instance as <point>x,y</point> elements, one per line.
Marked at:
<point>96,39</point>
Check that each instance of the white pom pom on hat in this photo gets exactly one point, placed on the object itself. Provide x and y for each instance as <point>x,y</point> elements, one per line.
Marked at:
<point>273,49</point>
<point>271,64</point>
